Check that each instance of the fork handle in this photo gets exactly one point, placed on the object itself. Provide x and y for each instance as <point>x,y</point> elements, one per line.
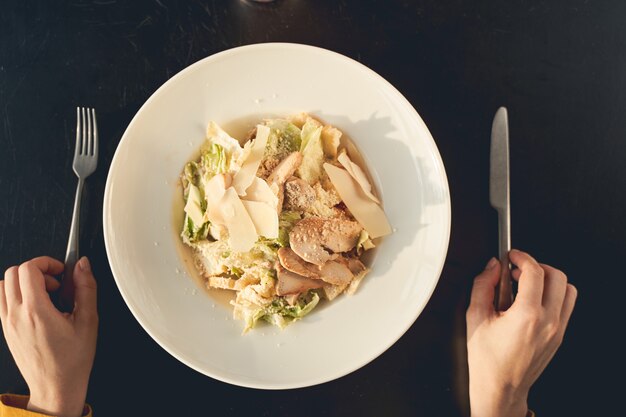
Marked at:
<point>71,255</point>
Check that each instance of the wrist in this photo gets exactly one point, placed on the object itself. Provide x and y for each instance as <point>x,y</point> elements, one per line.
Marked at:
<point>499,403</point>
<point>57,404</point>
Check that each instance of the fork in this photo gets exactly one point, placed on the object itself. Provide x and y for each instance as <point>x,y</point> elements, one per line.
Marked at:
<point>85,162</point>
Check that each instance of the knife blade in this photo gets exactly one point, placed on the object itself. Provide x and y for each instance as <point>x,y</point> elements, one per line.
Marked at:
<point>499,197</point>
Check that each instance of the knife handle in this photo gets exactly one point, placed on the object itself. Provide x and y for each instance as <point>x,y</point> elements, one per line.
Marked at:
<point>504,290</point>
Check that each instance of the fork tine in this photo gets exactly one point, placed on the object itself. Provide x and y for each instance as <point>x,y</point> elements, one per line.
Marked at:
<point>83,147</point>
<point>89,144</point>
<point>95,134</point>
<point>77,147</point>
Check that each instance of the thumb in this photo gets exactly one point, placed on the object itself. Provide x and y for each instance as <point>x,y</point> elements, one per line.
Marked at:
<point>483,290</point>
<point>85,291</point>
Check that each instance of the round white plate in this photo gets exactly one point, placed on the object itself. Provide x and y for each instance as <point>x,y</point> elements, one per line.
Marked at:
<point>246,84</point>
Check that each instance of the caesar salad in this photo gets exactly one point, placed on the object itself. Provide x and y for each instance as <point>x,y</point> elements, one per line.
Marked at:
<point>282,219</point>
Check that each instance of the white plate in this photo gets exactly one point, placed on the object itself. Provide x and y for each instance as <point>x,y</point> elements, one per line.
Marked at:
<point>261,80</point>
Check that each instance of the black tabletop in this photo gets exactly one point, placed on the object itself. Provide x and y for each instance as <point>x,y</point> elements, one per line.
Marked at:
<point>559,67</point>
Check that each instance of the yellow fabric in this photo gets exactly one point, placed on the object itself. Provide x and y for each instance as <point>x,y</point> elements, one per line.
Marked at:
<point>12,405</point>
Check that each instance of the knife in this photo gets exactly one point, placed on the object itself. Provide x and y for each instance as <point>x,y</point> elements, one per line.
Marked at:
<point>499,196</point>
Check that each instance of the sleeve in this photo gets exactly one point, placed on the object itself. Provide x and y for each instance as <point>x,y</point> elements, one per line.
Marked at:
<point>12,405</point>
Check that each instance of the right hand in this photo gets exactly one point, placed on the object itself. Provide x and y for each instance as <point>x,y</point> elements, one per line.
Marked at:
<point>507,351</point>
<point>54,351</point>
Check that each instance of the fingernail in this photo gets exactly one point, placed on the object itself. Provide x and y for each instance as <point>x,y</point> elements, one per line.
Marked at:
<point>491,264</point>
<point>84,264</point>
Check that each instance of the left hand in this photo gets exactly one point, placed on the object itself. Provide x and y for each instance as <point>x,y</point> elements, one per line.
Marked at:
<point>53,350</point>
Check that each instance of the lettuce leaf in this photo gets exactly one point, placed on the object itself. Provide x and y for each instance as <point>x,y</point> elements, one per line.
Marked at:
<point>309,131</point>
<point>284,139</point>
<point>231,147</point>
<point>191,175</point>
<point>214,161</point>
<point>279,312</point>
<point>312,152</point>
<point>304,305</point>
<point>192,233</point>
<point>286,222</point>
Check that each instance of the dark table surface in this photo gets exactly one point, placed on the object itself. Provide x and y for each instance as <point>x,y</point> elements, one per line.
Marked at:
<point>559,67</point>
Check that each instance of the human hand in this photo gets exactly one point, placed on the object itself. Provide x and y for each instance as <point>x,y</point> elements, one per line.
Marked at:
<point>507,351</point>
<point>54,351</point>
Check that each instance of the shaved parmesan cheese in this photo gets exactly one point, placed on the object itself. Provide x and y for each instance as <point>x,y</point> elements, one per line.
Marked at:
<point>247,148</point>
<point>215,187</point>
<point>352,151</point>
<point>193,208</point>
<point>264,217</point>
<point>260,191</point>
<point>231,212</point>
<point>357,173</point>
<point>214,190</point>
<point>369,214</point>
<point>244,177</point>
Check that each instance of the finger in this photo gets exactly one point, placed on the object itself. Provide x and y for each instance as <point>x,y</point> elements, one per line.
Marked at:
<point>483,289</point>
<point>33,284</point>
<point>12,287</point>
<point>515,274</point>
<point>554,290</point>
<point>85,295</point>
<point>531,278</point>
<point>48,265</point>
<point>52,284</point>
<point>571,293</point>
<point>3,302</point>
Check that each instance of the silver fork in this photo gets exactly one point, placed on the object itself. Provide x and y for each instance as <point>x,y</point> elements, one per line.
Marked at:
<point>85,162</point>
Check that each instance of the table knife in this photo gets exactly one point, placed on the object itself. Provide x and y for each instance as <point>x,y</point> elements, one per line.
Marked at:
<point>499,196</point>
